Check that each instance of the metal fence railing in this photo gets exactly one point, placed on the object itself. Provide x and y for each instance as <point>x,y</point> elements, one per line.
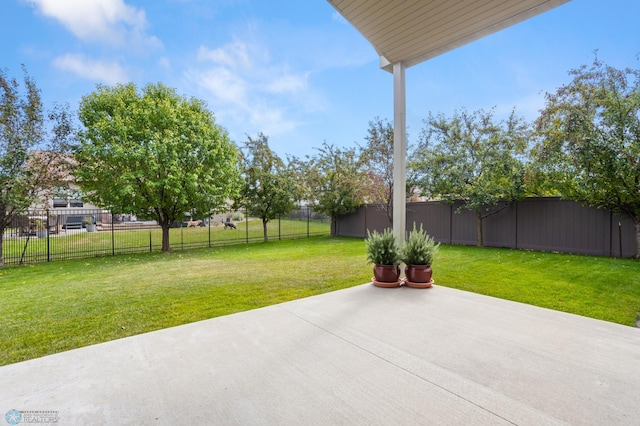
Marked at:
<point>45,236</point>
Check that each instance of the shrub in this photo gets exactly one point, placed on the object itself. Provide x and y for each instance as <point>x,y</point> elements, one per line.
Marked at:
<point>382,248</point>
<point>419,248</point>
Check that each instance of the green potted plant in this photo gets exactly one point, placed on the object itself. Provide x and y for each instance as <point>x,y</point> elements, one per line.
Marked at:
<point>383,251</point>
<point>41,228</point>
<point>417,254</point>
<point>91,226</point>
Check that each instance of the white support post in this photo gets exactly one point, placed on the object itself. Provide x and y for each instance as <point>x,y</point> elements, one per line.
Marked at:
<point>399,152</point>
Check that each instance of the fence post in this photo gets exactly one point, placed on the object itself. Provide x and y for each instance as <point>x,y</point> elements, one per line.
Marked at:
<point>610,233</point>
<point>246,221</point>
<point>365,220</point>
<point>113,235</point>
<point>48,241</point>
<point>620,237</point>
<point>450,223</point>
<point>150,243</point>
<point>308,220</point>
<point>516,238</point>
<point>279,226</point>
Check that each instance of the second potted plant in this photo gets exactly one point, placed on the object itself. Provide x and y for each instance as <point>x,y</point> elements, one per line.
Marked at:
<point>417,254</point>
<point>383,251</point>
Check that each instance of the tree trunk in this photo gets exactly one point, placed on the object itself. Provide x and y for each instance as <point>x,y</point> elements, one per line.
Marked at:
<point>264,230</point>
<point>479,229</point>
<point>389,208</point>
<point>636,222</point>
<point>165,238</point>
<point>334,224</point>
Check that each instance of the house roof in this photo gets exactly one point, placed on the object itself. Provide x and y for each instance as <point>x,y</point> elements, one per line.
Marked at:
<point>413,31</point>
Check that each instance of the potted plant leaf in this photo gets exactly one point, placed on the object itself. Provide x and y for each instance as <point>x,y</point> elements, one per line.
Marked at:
<point>383,251</point>
<point>417,254</point>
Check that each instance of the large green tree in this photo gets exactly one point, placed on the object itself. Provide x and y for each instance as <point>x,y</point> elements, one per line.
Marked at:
<point>270,187</point>
<point>33,147</point>
<point>590,147</point>
<point>155,154</point>
<point>337,182</point>
<point>473,159</point>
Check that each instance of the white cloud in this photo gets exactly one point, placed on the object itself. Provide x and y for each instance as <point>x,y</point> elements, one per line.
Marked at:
<point>242,84</point>
<point>105,21</point>
<point>104,72</point>
<point>223,84</point>
<point>232,55</point>
<point>288,83</point>
<point>272,121</point>
<point>165,63</point>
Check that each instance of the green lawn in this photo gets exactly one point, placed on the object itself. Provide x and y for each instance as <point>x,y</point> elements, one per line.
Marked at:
<point>597,287</point>
<point>52,307</point>
<point>80,244</point>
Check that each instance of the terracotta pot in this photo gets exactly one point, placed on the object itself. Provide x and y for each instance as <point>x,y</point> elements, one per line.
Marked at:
<point>386,273</point>
<point>418,273</point>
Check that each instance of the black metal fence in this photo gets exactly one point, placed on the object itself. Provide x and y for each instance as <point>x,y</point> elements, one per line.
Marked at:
<point>44,236</point>
<point>540,223</point>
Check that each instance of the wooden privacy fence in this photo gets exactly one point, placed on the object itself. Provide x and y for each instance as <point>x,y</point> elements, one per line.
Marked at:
<point>541,223</point>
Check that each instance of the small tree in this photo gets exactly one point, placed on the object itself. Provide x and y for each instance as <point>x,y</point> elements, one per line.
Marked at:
<point>32,159</point>
<point>336,182</point>
<point>377,155</point>
<point>154,154</point>
<point>269,189</point>
<point>590,150</point>
<point>472,159</point>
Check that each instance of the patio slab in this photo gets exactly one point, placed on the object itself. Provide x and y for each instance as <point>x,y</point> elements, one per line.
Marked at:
<point>363,355</point>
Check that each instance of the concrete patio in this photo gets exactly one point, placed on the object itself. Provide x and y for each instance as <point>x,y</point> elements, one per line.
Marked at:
<point>363,355</point>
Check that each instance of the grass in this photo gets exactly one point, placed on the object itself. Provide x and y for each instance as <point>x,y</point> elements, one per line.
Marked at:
<point>597,287</point>
<point>79,244</point>
<point>53,307</point>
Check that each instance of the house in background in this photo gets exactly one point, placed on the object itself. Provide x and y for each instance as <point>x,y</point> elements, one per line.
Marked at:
<point>61,207</point>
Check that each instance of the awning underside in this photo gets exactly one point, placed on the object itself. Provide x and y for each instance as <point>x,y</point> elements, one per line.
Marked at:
<point>412,31</point>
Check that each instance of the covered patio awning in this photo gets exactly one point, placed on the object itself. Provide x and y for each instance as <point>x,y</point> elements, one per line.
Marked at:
<point>408,32</point>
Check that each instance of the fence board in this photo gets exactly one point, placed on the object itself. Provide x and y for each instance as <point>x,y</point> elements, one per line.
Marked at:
<point>537,223</point>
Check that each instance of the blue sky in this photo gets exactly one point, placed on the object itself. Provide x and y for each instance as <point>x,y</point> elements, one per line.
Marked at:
<point>295,70</point>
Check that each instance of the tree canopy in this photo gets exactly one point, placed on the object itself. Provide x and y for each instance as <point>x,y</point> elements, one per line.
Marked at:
<point>33,148</point>
<point>270,188</point>
<point>377,156</point>
<point>155,154</point>
<point>590,146</point>
<point>473,159</point>
<point>337,182</point>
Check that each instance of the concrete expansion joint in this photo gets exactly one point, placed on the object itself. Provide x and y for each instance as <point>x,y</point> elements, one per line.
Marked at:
<point>398,366</point>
